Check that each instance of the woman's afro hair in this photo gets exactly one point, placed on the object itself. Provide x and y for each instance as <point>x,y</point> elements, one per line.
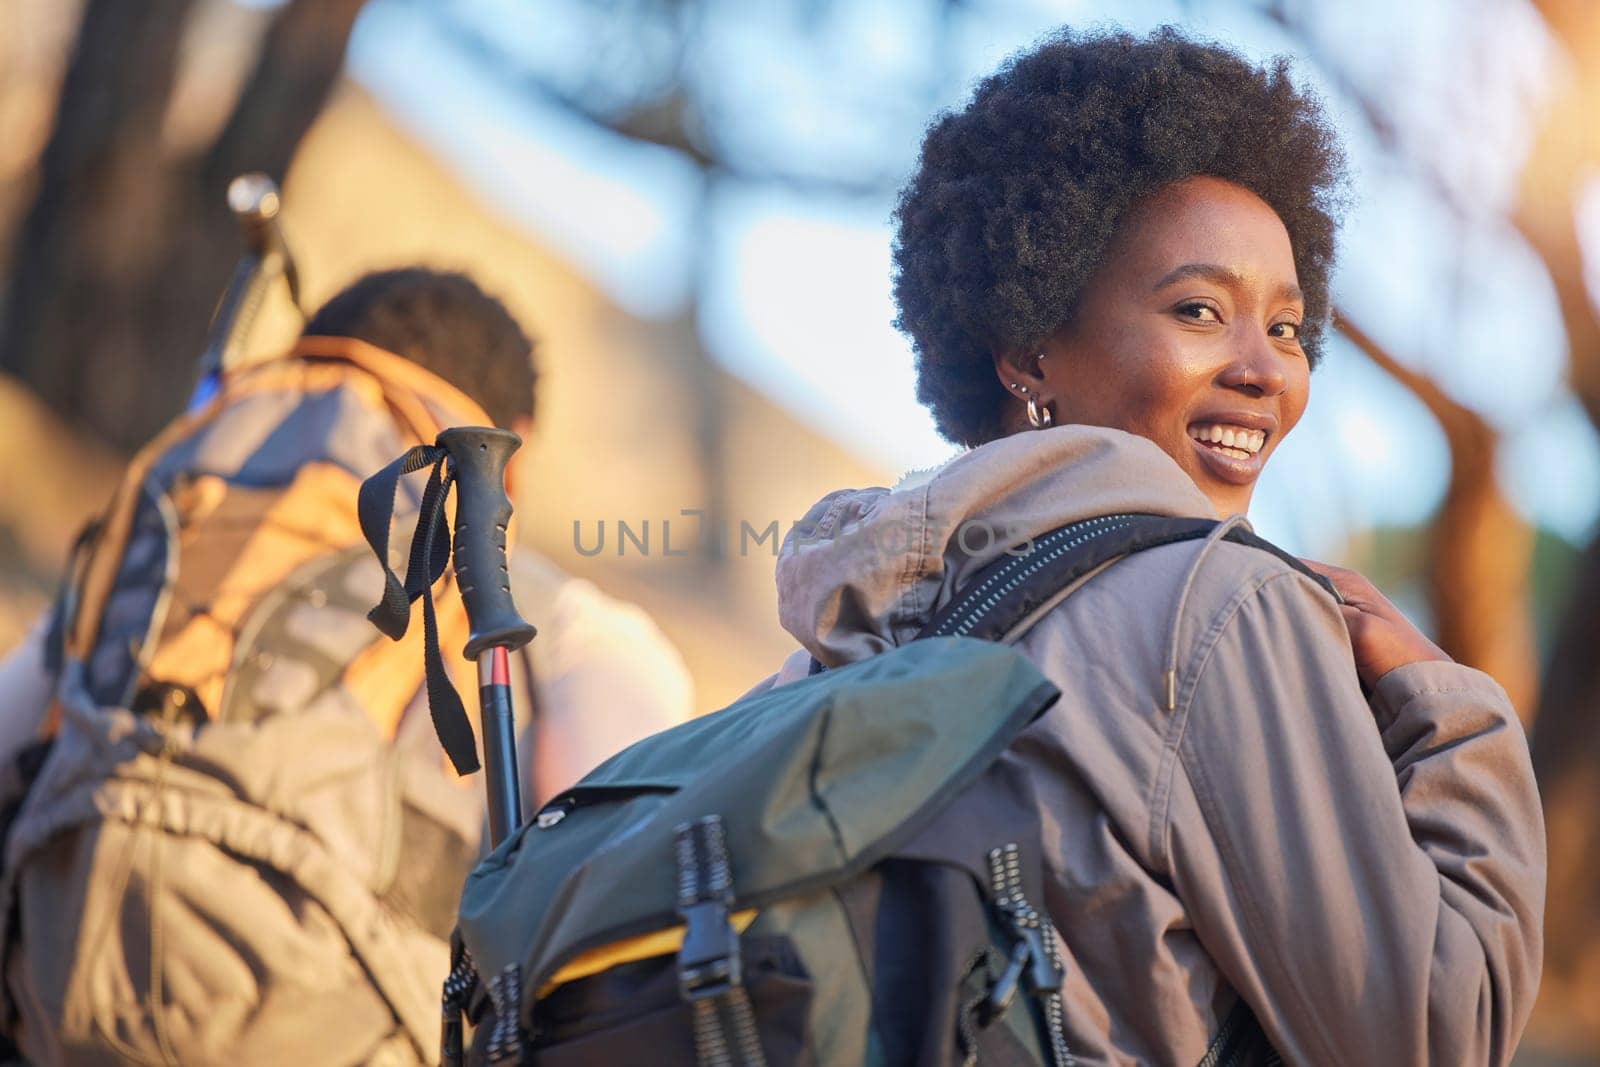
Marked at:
<point>1016,199</point>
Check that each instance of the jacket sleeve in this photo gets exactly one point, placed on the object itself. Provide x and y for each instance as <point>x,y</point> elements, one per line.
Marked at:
<point>1370,878</point>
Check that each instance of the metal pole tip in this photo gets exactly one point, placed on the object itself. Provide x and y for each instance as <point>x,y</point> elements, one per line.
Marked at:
<point>253,196</point>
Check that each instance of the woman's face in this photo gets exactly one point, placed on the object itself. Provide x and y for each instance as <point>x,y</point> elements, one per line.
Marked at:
<point>1186,335</point>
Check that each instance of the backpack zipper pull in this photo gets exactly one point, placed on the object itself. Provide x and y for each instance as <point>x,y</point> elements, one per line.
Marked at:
<point>1033,955</point>
<point>1004,990</point>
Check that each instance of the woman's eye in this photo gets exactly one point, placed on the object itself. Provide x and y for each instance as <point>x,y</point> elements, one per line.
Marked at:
<point>1199,312</point>
<point>1290,330</point>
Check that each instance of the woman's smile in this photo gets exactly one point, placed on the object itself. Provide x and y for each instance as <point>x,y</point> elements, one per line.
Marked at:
<point>1233,452</point>
<point>1233,444</point>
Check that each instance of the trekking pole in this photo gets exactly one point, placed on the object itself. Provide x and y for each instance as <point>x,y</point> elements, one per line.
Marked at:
<point>473,457</point>
<point>478,456</point>
<point>255,203</point>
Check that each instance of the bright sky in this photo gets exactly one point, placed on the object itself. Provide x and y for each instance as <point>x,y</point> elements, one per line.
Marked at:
<point>798,300</point>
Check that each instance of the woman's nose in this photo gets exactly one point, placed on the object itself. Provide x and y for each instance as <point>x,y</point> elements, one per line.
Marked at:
<point>1256,368</point>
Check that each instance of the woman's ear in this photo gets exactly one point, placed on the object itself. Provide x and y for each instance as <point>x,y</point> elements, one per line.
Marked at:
<point>1019,372</point>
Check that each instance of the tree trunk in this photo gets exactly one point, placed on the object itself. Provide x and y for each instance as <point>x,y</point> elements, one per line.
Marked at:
<point>124,251</point>
<point>95,233</point>
<point>1566,734</point>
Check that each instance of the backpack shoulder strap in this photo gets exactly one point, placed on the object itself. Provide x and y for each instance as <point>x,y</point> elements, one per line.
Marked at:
<point>1005,592</point>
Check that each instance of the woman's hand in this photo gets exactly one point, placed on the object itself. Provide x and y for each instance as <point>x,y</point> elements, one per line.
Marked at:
<point>1381,636</point>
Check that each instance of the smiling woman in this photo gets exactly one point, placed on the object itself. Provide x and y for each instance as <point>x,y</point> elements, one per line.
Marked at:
<point>1188,334</point>
<point>1268,810</point>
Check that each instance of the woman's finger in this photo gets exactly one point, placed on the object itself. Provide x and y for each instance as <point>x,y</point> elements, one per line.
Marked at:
<point>1353,586</point>
<point>1355,620</point>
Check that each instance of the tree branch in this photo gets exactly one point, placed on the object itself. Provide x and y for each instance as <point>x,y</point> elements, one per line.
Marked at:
<point>1479,549</point>
<point>671,121</point>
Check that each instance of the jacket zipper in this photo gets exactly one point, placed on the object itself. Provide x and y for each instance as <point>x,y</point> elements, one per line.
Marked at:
<point>1239,1037</point>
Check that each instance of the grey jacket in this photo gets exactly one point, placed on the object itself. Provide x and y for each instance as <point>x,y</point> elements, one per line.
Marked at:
<point>1227,814</point>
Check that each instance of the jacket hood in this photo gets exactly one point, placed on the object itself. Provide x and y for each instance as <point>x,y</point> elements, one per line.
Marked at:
<point>865,569</point>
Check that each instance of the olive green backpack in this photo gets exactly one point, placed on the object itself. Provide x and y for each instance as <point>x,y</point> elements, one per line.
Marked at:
<point>842,870</point>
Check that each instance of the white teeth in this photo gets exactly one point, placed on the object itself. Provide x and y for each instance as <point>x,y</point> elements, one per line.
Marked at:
<point>1236,441</point>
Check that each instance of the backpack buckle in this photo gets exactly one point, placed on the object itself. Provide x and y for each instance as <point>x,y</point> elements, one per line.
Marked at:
<point>709,963</point>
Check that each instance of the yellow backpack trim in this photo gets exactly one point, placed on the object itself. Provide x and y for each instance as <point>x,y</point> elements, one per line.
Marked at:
<point>659,943</point>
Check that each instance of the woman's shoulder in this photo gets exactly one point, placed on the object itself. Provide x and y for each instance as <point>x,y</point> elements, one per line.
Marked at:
<point>1166,609</point>
<point>1216,577</point>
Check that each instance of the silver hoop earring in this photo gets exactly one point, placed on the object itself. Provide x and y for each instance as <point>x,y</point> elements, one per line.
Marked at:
<point>1038,415</point>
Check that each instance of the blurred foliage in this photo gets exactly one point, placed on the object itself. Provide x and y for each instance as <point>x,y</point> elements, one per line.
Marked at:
<point>1395,558</point>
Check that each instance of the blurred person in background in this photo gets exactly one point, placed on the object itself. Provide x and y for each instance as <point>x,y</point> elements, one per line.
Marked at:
<point>232,834</point>
<point>606,675</point>
<point>1263,805</point>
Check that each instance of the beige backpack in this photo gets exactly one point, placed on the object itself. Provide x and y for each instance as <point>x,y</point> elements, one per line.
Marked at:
<point>238,847</point>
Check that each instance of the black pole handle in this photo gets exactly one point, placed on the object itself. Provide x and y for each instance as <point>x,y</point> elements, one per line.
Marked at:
<point>478,456</point>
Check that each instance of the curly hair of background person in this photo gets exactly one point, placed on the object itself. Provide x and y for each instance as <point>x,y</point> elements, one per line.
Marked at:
<point>1016,198</point>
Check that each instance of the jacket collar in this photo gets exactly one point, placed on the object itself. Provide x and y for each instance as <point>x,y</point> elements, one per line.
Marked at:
<point>866,568</point>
